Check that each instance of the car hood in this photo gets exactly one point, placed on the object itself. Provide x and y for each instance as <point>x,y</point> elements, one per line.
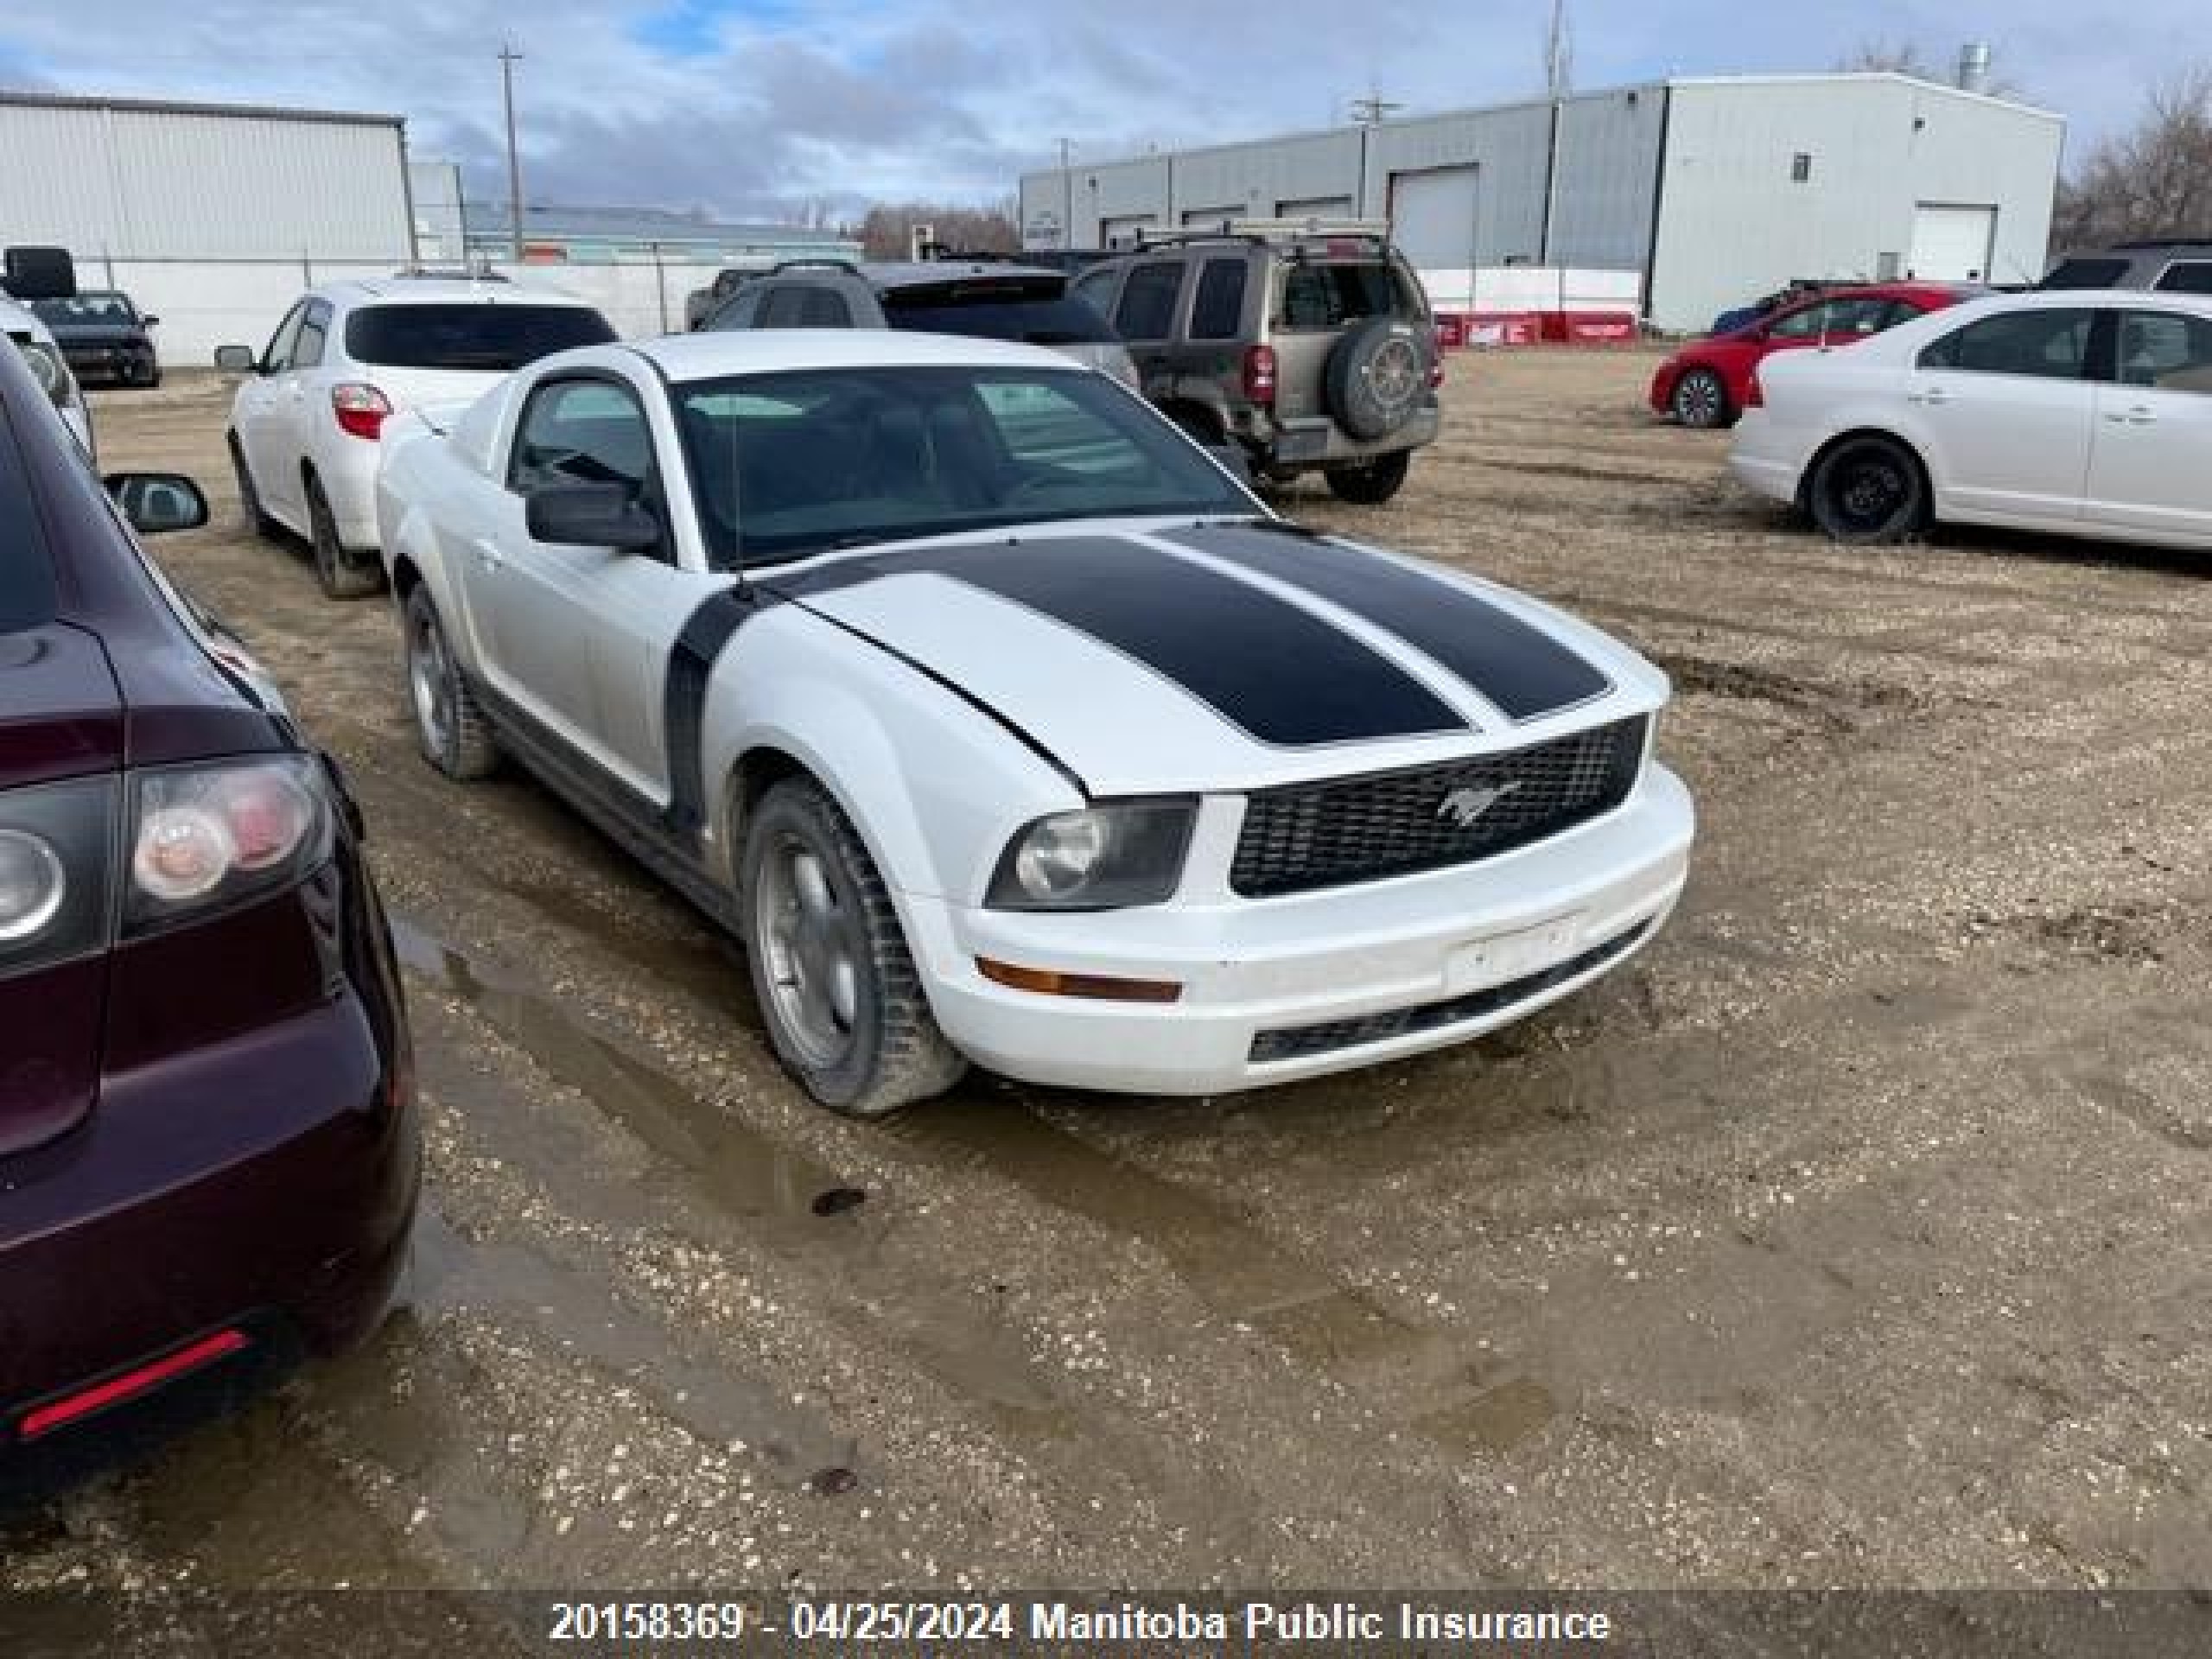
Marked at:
<point>1152,657</point>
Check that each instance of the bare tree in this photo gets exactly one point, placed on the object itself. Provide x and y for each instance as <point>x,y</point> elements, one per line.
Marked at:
<point>887,231</point>
<point>2154,180</point>
<point>1885,57</point>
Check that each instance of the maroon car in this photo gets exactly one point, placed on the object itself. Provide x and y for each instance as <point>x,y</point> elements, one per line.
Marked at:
<point>208,1140</point>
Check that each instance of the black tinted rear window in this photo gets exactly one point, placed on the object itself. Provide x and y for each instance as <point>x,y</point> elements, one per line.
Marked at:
<point>2187,276</point>
<point>26,573</point>
<point>2087,273</point>
<point>1035,320</point>
<point>496,337</point>
<point>1328,294</point>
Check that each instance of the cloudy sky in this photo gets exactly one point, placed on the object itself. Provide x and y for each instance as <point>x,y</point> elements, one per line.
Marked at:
<point>760,107</point>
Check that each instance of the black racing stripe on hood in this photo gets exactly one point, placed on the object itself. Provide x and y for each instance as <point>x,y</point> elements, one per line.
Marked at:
<point>1266,666</point>
<point>1519,668</point>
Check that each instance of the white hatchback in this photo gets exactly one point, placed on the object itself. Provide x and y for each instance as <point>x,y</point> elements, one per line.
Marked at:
<point>2082,414</point>
<point>304,426</point>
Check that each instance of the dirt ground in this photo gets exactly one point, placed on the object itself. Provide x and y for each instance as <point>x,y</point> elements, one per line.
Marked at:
<point>1856,1234</point>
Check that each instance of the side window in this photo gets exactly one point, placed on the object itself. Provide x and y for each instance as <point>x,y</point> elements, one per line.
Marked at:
<point>781,307</point>
<point>2045,345</point>
<point>315,328</point>
<point>279,353</point>
<point>2166,352</point>
<point>1095,289</point>
<point>823,308</point>
<point>1851,318</point>
<point>1801,324</point>
<point>1217,312</point>
<point>742,311</point>
<point>2186,276</point>
<point>1147,306</point>
<point>583,432</point>
<point>1900,311</point>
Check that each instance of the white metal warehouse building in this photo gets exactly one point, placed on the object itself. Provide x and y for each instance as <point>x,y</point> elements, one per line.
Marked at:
<point>1711,191</point>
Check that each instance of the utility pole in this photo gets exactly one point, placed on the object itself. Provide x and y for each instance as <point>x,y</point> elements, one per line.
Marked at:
<point>1559,73</point>
<point>1373,110</point>
<point>1067,192</point>
<point>508,58</point>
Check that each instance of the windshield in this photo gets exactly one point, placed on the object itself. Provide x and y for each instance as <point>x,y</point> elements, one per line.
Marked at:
<point>786,465</point>
<point>1034,319</point>
<point>83,310</point>
<point>494,337</point>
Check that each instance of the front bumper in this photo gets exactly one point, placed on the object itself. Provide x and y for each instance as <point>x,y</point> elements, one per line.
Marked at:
<point>1327,980</point>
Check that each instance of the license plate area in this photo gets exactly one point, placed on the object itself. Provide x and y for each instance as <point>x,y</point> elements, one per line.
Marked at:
<point>1503,957</point>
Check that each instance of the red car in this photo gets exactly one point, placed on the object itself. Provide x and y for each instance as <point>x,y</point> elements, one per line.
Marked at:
<point>1713,381</point>
<point>208,1142</point>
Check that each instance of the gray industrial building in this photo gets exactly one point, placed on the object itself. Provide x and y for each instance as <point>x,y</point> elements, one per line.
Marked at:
<point>132,178</point>
<point>1711,190</point>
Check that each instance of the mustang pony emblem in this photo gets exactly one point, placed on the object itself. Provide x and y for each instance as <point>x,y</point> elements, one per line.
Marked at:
<point>1465,807</point>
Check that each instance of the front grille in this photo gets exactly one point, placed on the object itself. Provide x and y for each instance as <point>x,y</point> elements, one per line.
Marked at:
<point>1301,1042</point>
<point>1348,830</point>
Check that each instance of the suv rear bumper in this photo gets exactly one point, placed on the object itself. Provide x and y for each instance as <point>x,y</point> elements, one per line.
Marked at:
<point>1317,440</point>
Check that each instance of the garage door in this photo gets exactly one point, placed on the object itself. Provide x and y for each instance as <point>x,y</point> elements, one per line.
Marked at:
<point>1433,217</point>
<point>1314,207</point>
<point>1951,243</point>
<point>1122,232</point>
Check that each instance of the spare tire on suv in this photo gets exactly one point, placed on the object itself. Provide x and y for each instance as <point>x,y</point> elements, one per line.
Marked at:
<point>1377,376</point>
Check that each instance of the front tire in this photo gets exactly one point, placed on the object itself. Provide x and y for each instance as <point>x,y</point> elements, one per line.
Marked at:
<point>837,985</point>
<point>340,574</point>
<point>1372,483</point>
<point>1700,400</point>
<point>450,728</point>
<point>1869,491</point>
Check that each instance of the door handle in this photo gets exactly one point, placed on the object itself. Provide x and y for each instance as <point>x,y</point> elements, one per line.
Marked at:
<point>2137,416</point>
<point>1934,395</point>
<point>488,555</point>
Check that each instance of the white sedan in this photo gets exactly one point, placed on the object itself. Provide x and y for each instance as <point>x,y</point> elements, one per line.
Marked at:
<point>2084,414</point>
<point>1004,724</point>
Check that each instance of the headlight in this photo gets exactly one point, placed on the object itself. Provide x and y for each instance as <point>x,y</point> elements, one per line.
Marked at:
<point>47,369</point>
<point>1101,858</point>
<point>33,884</point>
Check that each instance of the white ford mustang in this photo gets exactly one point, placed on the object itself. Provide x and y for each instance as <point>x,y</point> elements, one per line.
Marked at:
<point>1004,725</point>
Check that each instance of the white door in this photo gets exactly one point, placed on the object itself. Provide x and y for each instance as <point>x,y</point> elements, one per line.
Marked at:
<point>1432,218</point>
<point>262,416</point>
<point>1122,232</point>
<point>2153,439</point>
<point>1952,243</point>
<point>2004,412</point>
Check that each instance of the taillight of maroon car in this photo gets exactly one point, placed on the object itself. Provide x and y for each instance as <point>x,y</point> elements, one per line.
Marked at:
<point>124,859</point>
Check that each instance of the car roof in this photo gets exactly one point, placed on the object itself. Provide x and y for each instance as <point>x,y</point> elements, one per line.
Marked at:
<point>934,273</point>
<point>2046,299</point>
<point>710,355</point>
<point>421,290</point>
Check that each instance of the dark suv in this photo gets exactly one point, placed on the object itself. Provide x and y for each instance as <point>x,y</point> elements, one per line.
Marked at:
<point>103,334</point>
<point>2178,267</point>
<point>990,299</point>
<point>208,1146</point>
<point>1310,348</point>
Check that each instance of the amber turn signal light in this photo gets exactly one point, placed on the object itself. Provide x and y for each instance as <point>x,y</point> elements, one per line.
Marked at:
<point>1097,987</point>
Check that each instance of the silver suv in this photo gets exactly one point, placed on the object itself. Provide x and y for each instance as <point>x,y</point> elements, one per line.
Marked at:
<point>1308,345</point>
<point>2169,267</point>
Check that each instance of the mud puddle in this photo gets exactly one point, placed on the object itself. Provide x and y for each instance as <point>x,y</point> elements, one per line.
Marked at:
<point>1247,1278</point>
<point>772,1192</point>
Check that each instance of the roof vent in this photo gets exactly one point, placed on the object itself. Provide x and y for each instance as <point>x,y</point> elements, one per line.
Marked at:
<point>1973,66</point>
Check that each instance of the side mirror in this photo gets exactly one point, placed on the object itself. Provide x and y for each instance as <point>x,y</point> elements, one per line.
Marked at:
<point>235,359</point>
<point>1234,457</point>
<point>156,503</point>
<point>590,515</point>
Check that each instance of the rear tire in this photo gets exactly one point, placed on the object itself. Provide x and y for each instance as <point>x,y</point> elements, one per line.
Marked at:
<point>1372,483</point>
<point>450,728</point>
<point>837,985</point>
<point>342,574</point>
<point>1700,400</point>
<point>249,497</point>
<point>1869,491</point>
